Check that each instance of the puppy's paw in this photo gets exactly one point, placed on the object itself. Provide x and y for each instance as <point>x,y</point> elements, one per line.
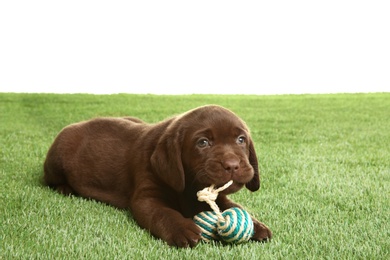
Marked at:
<point>262,232</point>
<point>186,234</point>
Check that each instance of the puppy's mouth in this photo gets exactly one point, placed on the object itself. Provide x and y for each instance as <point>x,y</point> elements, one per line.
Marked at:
<point>219,178</point>
<point>235,186</point>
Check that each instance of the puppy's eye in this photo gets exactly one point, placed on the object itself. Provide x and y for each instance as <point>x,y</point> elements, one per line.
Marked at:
<point>241,140</point>
<point>202,143</point>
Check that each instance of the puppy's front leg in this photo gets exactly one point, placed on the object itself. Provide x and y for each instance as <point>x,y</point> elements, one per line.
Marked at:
<point>166,223</point>
<point>262,232</point>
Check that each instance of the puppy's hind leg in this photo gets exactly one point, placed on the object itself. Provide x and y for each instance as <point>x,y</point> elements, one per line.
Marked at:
<point>55,178</point>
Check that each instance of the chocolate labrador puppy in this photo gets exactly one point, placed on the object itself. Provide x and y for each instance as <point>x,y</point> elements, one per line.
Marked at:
<point>155,170</point>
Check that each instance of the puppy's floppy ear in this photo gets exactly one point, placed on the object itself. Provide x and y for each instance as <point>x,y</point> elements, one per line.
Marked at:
<point>254,184</point>
<point>166,160</point>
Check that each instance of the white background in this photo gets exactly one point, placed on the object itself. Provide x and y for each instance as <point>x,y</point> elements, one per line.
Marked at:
<point>175,47</point>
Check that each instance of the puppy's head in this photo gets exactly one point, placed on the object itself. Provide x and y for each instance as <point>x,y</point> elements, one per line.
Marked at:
<point>207,145</point>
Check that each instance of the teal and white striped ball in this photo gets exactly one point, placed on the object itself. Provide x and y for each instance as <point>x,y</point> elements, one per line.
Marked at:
<point>237,226</point>
<point>207,221</point>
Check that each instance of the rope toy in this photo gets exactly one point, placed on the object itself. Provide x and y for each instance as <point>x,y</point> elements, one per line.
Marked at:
<point>234,225</point>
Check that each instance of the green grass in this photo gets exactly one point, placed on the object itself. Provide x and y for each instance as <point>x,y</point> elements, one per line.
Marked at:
<point>324,160</point>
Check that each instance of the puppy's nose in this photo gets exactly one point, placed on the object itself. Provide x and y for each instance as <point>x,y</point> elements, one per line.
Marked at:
<point>231,165</point>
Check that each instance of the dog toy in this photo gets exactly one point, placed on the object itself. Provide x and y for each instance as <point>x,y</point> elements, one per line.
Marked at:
<point>234,225</point>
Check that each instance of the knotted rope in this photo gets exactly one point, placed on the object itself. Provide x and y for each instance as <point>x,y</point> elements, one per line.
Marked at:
<point>209,195</point>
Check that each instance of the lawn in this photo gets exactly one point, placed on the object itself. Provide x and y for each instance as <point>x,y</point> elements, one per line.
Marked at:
<point>324,161</point>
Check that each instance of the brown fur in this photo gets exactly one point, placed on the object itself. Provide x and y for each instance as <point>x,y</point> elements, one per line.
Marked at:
<point>155,170</point>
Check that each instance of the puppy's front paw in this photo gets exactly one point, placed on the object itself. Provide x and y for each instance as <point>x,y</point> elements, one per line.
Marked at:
<point>262,232</point>
<point>187,234</point>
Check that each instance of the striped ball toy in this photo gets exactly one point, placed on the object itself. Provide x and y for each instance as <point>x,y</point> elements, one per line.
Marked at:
<point>236,226</point>
<point>207,221</point>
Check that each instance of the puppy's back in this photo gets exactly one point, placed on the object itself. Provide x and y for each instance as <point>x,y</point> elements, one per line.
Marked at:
<point>90,150</point>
